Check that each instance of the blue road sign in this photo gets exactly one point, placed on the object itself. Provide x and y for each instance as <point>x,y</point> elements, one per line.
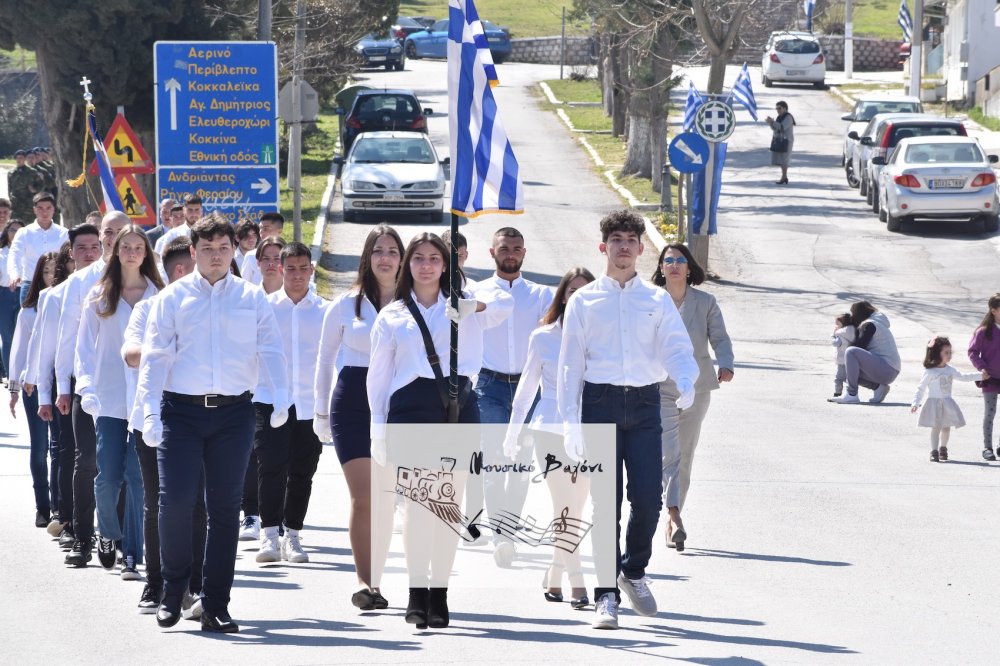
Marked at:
<point>688,152</point>
<point>217,123</point>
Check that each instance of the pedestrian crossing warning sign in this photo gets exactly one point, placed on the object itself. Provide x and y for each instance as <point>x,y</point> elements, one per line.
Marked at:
<point>125,152</point>
<point>134,201</point>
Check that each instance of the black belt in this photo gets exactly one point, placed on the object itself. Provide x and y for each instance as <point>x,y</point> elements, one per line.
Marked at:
<point>211,401</point>
<point>499,376</point>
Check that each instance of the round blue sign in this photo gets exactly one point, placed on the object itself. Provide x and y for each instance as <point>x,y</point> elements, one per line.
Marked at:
<point>688,152</point>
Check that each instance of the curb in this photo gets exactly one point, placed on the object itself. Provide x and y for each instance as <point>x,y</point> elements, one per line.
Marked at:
<point>324,213</point>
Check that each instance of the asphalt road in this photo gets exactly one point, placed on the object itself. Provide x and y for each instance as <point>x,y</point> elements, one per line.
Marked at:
<point>819,533</point>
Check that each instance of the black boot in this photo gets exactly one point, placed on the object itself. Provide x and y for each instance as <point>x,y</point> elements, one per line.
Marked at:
<point>416,609</point>
<point>437,608</point>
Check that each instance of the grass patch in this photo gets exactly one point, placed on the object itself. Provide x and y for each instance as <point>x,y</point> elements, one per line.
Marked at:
<point>989,122</point>
<point>317,153</point>
<point>18,59</point>
<point>588,118</point>
<point>610,148</point>
<point>524,18</point>
<point>568,90</point>
<point>877,18</point>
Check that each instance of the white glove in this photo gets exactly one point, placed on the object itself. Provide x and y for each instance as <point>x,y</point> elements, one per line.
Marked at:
<point>379,451</point>
<point>321,426</point>
<point>90,404</point>
<point>686,390</point>
<point>279,416</point>
<point>510,446</point>
<point>466,307</point>
<point>152,430</point>
<point>573,441</point>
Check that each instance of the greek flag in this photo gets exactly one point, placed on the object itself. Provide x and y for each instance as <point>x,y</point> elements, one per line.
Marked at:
<point>905,21</point>
<point>485,177</point>
<point>742,92</point>
<point>112,200</point>
<point>809,6</point>
<point>694,102</point>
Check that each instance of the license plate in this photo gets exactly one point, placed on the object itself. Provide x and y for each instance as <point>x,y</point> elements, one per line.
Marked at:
<point>947,183</point>
<point>796,72</point>
<point>376,58</point>
<point>394,197</point>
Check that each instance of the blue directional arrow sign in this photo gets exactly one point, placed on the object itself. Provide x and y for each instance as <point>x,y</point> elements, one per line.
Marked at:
<point>688,152</point>
<point>217,124</point>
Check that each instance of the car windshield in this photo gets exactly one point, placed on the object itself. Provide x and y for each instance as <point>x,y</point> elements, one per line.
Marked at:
<point>372,37</point>
<point>868,110</point>
<point>943,153</point>
<point>490,26</point>
<point>900,133</point>
<point>440,26</point>
<point>405,22</point>
<point>379,150</point>
<point>390,108</point>
<point>796,46</point>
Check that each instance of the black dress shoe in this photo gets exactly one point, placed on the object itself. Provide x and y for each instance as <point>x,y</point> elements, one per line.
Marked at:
<point>416,608</point>
<point>168,615</point>
<point>42,519</point>
<point>219,623</point>
<point>437,608</point>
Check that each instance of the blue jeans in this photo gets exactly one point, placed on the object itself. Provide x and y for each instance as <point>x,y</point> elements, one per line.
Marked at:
<point>22,293</point>
<point>118,463</point>
<point>10,305</point>
<point>636,413</point>
<point>38,431</point>
<point>218,441</point>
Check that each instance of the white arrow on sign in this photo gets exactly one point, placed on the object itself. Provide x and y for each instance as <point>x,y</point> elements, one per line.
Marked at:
<point>684,148</point>
<point>172,87</point>
<point>263,186</point>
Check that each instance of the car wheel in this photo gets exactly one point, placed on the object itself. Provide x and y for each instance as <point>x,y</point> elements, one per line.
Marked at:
<point>767,82</point>
<point>843,160</point>
<point>863,188</point>
<point>820,85</point>
<point>399,66</point>
<point>411,51</point>
<point>876,204</point>
<point>350,216</point>
<point>388,66</point>
<point>991,223</point>
<point>882,212</point>
<point>893,223</point>
<point>852,179</point>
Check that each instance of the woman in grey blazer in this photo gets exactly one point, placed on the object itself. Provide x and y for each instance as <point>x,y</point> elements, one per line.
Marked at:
<point>677,271</point>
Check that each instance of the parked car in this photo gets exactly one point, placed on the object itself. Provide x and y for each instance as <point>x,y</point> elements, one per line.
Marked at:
<point>866,108</point>
<point>375,110</point>
<point>381,51</point>
<point>793,57</point>
<point>405,26</point>
<point>389,173</point>
<point>433,42</point>
<point>890,132</point>
<point>937,177</point>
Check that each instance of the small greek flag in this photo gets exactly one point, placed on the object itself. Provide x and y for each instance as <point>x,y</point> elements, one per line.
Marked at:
<point>694,102</point>
<point>112,201</point>
<point>905,21</point>
<point>809,6</point>
<point>485,177</point>
<point>742,92</point>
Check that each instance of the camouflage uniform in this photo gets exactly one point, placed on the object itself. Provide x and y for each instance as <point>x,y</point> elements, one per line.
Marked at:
<point>23,183</point>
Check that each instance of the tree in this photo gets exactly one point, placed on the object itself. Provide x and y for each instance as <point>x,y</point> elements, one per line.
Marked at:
<point>719,23</point>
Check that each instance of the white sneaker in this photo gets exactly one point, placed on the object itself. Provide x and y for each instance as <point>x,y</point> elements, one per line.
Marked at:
<point>270,550</point>
<point>606,610</point>
<point>250,528</point>
<point>291,550</point>
<point>504,554</point>
<point>639,594</point>
<point>847,399</point>
<point>880,393</point>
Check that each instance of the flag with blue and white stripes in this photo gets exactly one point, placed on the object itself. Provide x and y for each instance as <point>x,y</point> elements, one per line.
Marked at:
<point>905,21</point>
<point>742,92</point>
<point>694,102</point>
<point>112,200</point>
<point>809,6</point>
<point>485,177</point>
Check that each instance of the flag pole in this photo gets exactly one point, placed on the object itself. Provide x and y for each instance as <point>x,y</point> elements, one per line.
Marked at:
<point>455,286</point>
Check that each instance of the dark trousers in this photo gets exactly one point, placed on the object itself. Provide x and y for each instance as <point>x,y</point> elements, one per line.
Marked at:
<point>151,519</point>
<point>219,441</point>
<point>10,305</point>
<point>84,471</point>
<point>635,411</point>
<point>38,431</point>
<point>67,456</point>
<point>420,402</point>
<point>250,503</point>
<point>287,460</point>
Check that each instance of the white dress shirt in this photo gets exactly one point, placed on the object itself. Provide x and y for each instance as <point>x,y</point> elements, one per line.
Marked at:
<point>163,241</point>
<point>300,325</point>
<point>541,367</point>
<point>505,347</point>
<point>47,332</point>
<point>30,243</point>
<point>20,346</point>
<point>210,339</point>
<point>134,334</point>
<point>345,341</point>
<point>99,366</point>
<point>4,271</point>
<point>625,336</point>
<point>250,269</point>
<point>78,285</point>
<point>399,355</point>
<point>34,341</point>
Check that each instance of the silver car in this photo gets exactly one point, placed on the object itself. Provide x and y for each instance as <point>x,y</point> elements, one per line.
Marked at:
<point>937,177</point>
<point>866,108</point>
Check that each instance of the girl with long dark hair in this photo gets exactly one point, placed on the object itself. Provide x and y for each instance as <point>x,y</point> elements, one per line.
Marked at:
<point>984,353</point>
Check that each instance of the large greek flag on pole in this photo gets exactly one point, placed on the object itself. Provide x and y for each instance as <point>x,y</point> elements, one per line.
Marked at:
<point>742,92</point>
<point>905,21</point>
<point>112,201</point>
<point>484,173</point>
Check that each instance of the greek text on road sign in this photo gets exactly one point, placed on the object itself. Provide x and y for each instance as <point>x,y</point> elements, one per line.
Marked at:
<point>715,121</point>
<point>688,152</point>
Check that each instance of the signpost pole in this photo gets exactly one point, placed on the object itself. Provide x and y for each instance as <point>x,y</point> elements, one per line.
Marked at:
<point>295,136</point>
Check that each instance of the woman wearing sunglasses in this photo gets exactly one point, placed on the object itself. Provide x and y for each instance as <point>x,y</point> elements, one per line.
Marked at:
<point>677,272</point>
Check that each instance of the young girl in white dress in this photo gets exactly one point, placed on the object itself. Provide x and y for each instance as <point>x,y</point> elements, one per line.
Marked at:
<point>940,412</point>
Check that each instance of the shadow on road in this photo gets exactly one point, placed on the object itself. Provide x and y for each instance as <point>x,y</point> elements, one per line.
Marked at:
<point>689,635</point>
<point>730,554</point>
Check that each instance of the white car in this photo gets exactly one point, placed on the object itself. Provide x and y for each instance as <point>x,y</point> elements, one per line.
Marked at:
<point>866,108</point>
<point>938,177</point>
<point>392,173</point>
<point>794,57</point>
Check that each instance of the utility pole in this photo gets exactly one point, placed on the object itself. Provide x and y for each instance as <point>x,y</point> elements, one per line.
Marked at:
<point>295,134</point>
<point>264,20</point>
<point>916,42</point>
<point>849,40</point>
<point>562,44</point>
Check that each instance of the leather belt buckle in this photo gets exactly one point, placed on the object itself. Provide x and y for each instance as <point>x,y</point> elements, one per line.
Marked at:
<point>209,401</point>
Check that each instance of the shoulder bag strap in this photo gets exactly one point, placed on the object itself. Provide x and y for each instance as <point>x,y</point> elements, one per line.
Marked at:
<point>432,356</point>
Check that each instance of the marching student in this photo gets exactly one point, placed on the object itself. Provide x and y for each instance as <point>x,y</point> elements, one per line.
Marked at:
<point>178,262</point>
<point>38,430</point>
<point>196,398</point>
<point>505,350</point>
<point>271,226</point>
<point>621,337</point>
<point>68,402</point>
<point>545,427</point>
<point>268,256</point>
<point>403,387</point>
<point>31,242</point>
<point>166,222</point>
<point>289,454</point>
<point>130,276</point>
<point>247,238</point>
<point>344,416</point>
<point>192,212</point>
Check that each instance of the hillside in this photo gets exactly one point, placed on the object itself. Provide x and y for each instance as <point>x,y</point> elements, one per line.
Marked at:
<point>525,18</point>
